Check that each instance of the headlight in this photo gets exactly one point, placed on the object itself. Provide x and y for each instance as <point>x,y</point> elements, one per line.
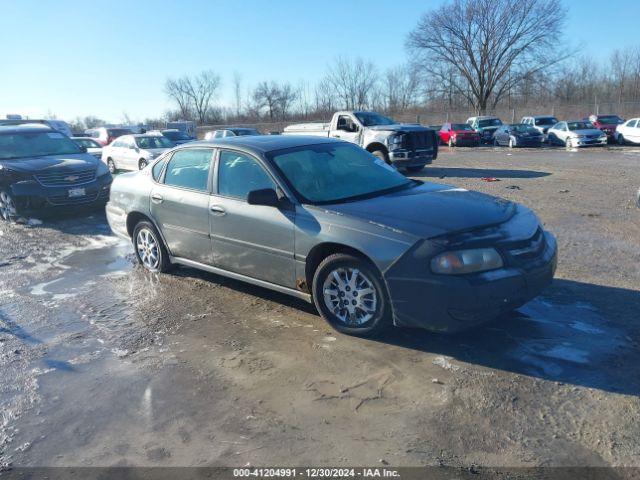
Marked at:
<point>466,261</point>
<point>395,141</point>
<point>102,169</point>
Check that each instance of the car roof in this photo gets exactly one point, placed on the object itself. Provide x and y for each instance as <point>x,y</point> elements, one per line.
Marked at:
<point>261,144</point>
<point>26,127</point>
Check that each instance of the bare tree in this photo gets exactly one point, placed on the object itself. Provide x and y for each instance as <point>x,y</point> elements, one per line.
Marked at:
<point>400,88</point>
<point>352,81</point>
<point>490,44</point>
<point>194,94</point>
<point>621,64</point>
<point>237,92</point>
<point>266,95</point>
<point>176,90</point>
<point>287,96</point>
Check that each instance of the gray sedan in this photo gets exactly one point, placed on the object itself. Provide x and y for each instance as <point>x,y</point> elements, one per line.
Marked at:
<point>326,221</point>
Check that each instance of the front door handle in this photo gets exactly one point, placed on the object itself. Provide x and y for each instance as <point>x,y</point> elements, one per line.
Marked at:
<point>155,198</point>
<point>218,210</point>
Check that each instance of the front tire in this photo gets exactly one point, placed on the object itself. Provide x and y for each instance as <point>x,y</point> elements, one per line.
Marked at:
<point>350,295</point>
<point>382,155</point>
<point>149,248</point>
<point>8,210</point>
<point>512,142</point>
<point>142,163</point>
<point>621,140</point>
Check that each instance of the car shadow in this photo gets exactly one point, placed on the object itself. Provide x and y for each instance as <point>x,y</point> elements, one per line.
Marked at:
<point>461,172</point>
<point>576,333</point>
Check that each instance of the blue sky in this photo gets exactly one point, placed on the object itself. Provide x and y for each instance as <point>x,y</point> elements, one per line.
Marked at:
<point>103,58</point>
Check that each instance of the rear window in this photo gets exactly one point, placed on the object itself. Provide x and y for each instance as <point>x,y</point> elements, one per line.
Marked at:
<point>490,122</point>
<point>461,126</point>
<point>546,121</point>
<point>154,142</point>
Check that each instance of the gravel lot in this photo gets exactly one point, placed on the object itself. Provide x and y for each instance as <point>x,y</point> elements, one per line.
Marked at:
<point>104,364</point>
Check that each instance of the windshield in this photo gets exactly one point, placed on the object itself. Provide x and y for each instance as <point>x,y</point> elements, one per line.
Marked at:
<point>331,173</point>
<point>580,125</point>
<point>87,143</point>
<point>610,120</point>
<point>118,132</point>
<point>521,128</point>
<point>177,135</point>
<point>245,131</point>
<point>153,142</point>
<point>546,121</point>
<point>369,119</point>
<point>489,122</point>
<point>461,127</point>
<point>35,144</point>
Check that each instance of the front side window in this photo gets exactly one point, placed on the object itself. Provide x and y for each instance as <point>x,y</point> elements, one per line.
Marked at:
<point>189,168</point>
<point>239,174</point>
<point>35,144</point>
<point>331,173</point>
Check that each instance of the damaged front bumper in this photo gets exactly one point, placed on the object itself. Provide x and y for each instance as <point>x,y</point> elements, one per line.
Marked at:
<point>402,158</point>
<point>450,303</point>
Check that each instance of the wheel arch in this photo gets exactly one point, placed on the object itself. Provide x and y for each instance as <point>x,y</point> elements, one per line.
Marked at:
<point>135,217</point>
<point>373,146</point>
<point>322,250</point>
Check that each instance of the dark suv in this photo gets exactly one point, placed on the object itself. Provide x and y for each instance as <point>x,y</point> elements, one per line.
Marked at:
<point>41,168</point>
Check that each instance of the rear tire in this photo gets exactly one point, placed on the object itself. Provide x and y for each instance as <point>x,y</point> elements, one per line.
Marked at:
<point>350,295</point>
<point>8,209</point>
<point>149,248</point>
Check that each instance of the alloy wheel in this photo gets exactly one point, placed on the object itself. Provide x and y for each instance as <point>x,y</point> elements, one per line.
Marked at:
<point>7,206</point>
<point>111,166</point>
<point>350,295</point>
<point>148,249</point>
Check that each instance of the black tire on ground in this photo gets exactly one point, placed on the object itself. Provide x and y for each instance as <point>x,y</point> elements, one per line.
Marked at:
<point>621,140</point>
<point>8,207</point>
<point>381,318</point>
<point>163,263</point>
<point>382,155</point>
<point>111,165</point>
<point>142,163</point>
<point>416,169</point>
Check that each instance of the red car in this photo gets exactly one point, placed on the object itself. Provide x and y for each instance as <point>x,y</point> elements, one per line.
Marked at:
<point>606,123</point>
<point>458,134</point>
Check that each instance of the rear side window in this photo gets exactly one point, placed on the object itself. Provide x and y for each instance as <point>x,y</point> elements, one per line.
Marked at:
<point>240,174</point>
<point>189,168</point>
<point>157,169</point>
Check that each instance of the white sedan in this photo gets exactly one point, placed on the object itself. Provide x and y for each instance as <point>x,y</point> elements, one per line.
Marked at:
<point>134,152</point>
<point>628,132</point>
<point>575,134</point>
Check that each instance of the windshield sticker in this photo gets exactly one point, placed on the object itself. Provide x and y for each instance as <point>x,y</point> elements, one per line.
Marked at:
<point>55,135</point>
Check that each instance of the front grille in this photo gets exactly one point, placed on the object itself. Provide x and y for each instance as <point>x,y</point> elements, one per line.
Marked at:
<point>593,136</point>
<point>419,140</point>
<point>66,200</point>
<point>65,179</point>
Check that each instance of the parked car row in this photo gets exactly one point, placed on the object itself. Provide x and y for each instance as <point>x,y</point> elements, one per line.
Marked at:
<point>535,130</point>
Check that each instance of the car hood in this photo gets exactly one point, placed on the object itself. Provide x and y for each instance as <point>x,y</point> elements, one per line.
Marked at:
<point>68,163</point>
<point>587,131</point>
<point>428,210</point>
<point>398,127</point>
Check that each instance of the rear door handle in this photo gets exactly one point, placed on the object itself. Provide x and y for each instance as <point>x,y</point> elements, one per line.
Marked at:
<point>155,198</point>
<point>218,210</point>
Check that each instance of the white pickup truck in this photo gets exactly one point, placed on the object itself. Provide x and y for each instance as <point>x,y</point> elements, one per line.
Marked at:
<point>406,146</point>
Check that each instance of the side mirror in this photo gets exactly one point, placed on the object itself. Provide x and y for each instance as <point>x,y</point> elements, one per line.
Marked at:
<point>266,196</point>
